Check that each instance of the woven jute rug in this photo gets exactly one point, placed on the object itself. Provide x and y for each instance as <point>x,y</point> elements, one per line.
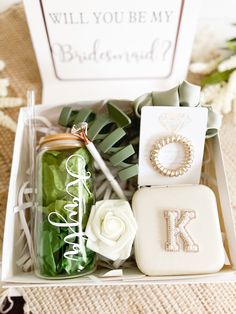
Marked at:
<point>21,68</point>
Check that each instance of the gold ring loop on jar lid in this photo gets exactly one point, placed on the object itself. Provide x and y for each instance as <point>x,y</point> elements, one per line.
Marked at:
<point>186,163</point>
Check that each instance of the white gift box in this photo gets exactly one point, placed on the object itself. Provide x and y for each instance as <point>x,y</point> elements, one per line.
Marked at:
<point>80,73</point>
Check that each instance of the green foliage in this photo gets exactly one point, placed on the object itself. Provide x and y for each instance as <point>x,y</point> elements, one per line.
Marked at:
<point>231,44</point>
<point>217,77</point>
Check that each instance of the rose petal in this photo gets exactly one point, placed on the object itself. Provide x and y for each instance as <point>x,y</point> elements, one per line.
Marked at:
<point>112,227</point>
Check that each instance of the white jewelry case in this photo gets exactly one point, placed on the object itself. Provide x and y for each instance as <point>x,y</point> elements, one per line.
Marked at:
<point>178,230</point>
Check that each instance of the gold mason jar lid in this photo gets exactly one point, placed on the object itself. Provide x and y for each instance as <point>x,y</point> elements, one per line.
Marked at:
<point>58,137</point>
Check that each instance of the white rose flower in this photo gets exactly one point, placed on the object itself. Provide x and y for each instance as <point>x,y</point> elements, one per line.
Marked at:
<point>111,229</point>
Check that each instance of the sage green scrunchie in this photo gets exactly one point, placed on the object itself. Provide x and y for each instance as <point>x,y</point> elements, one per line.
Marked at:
<point>184,95</point>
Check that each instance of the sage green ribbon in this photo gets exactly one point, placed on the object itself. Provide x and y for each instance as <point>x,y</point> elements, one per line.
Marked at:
<point>107,142</point>
<point>184,95</point>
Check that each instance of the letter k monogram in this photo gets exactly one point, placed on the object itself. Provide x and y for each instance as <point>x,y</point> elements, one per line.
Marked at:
<point>176,231</point>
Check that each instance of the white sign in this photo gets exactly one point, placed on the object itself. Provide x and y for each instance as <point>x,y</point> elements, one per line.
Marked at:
<point>158,122</point>
<point>107,39</point>
<point>110,49</point>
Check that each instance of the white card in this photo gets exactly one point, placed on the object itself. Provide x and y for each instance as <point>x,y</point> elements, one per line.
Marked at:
<point>88,50</point>
<point>101,40</point>
<point>158,122</point>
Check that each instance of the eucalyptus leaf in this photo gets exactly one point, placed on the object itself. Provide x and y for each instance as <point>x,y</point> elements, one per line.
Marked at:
<point>231,44</point>
<point>217,77</point>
